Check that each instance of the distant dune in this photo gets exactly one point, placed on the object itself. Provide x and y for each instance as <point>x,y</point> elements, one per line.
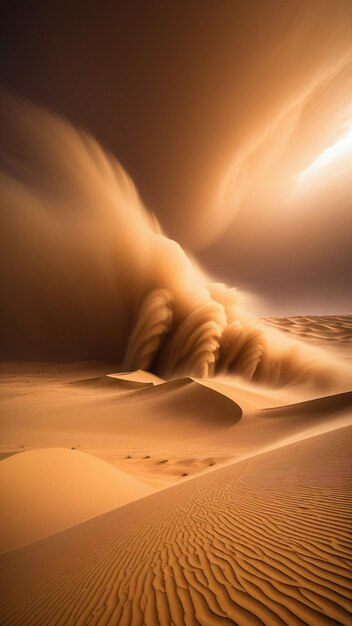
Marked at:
<point>263,541</point>
<point>323,329</point>
<point>106,408</point>
<point>183,406</point>
<point>45,491</point>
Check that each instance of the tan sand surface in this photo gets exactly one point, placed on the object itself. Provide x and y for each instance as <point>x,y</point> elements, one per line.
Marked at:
<point>139,376</point>
<point>331,331</point>
<point>263,541</point>
<point>105,409</point>
<point>251,520</point>
<point>45,491</point>
<point>158,433</point>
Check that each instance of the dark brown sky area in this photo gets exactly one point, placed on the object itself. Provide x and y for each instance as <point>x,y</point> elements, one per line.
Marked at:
<point>216,110</point>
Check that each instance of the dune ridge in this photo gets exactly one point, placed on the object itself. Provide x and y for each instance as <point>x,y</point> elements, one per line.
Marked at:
<point>158,434</point>
<point>109,408</point>
<point>139,376</point>
<point>264,541</point>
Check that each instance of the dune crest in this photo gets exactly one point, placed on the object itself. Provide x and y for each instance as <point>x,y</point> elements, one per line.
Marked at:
<point>138,376</point>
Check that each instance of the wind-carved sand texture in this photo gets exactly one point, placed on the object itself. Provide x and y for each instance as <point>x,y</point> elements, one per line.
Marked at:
<point>335,329</point>
<point>227,502</point>
<point>263,541</point>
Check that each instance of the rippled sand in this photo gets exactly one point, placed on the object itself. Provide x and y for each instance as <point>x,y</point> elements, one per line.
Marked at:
<point>132,500</point>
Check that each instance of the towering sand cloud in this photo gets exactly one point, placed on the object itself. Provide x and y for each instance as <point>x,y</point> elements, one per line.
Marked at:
<point>87,272</point>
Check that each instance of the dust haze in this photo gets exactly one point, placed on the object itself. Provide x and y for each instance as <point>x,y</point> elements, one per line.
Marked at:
<point>87,272</point>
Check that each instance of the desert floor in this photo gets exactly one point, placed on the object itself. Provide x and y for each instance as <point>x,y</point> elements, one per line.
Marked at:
<point>127,499</point>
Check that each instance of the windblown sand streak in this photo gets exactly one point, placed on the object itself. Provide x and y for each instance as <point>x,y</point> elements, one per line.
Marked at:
<point>105,283</point>
<point>264,541</point>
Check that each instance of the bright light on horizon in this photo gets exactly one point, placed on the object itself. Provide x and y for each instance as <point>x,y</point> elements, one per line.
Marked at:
<point>340,149</point>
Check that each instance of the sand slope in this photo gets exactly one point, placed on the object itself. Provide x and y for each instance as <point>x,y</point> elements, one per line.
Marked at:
<point>318,407</point>
<point>181,407</point>
<point>103,409</point>
<point>44,491</point>
<point>124,381</point>
<point>264,541</point>
<point>267,428</point>
<point>158,433</point>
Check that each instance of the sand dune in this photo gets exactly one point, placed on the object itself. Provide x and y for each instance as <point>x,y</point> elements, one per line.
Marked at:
<point>336,329</point>
<point>44,491</point>
<point>257,431</point>
<point>190,403</point>
<point>86,413</point>
<point>264,541</point>
<point>268,428</point>
<point>124,381</point>
<point>158,433</point>
<point>139,376</point>
<point>250,398</point>
<point>261,541</point>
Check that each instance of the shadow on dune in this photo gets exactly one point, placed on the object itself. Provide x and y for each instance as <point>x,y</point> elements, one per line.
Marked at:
<point>188,400</point>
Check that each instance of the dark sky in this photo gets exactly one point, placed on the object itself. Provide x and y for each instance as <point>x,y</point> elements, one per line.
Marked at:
<point>213,108</point>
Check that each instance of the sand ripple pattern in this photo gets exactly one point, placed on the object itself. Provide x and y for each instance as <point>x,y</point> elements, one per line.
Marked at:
<point>265,541</point>
<point>316,328</point>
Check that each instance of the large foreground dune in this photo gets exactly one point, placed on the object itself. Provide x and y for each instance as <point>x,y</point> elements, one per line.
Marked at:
<point>263,541</point>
